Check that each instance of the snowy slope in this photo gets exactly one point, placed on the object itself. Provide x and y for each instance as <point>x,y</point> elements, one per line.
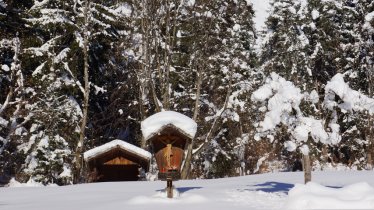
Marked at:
<point>265,191</point>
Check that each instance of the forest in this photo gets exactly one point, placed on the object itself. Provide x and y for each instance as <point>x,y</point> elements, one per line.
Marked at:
<point>75,74</point>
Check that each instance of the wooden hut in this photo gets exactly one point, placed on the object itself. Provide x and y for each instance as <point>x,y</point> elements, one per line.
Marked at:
<point>116,161</point>
<point>169,133</point>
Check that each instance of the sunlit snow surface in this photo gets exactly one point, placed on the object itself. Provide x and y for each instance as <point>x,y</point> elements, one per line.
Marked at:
<point>266,191</point>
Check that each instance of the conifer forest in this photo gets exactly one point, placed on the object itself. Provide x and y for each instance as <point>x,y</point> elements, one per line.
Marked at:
<point>75,74</point>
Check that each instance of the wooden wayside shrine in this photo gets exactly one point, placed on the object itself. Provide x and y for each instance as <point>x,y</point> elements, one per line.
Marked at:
<point>168,146</point>
<point>116,161</point>
<point>169,136</point>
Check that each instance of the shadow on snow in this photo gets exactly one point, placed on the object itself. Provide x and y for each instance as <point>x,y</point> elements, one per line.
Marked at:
<point>182,189</point>
<point>272,187</point>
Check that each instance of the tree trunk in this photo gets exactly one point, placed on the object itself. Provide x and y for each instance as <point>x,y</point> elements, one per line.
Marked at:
<point>86,94</point>
<point>187,161</point>
<point>370,132</point>
<point>325,154</point>
<point>307,169</point>
<point>370,160</point>
<point>370,147</point>
<point>200,70</point>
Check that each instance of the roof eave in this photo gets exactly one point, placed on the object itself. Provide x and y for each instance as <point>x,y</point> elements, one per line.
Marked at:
<point>159,131</point>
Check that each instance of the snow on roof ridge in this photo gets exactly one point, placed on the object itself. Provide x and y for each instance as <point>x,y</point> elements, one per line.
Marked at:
<point>156,122</point>
<point>166,126</point>
<point>116,143</point>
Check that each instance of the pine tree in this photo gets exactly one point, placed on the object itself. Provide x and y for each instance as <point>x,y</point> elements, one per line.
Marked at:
<point>366,70</point>
<point>224,66</point>
<point>285,47</point>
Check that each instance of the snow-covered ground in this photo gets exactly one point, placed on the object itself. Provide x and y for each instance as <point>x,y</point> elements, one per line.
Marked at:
<point>265,191</point>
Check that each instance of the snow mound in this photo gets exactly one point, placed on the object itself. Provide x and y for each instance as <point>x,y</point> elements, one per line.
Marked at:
<point>156,122</point>
<point>117,143</point>
<point>315,196</point>
<point>31,183</point>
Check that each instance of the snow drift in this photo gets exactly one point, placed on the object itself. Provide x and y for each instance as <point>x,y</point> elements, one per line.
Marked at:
<point>315,196</point>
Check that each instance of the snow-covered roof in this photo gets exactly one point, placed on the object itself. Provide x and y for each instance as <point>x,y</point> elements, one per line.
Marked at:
<point>155,123</point>
<point>117,144</point>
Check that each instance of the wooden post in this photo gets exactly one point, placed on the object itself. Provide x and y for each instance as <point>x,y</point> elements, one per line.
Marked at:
<point>369,165</point>
<point>307,169</point>
<point>169,187</point>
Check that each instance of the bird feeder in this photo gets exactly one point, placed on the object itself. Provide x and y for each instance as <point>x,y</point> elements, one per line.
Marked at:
<point>169,133</point>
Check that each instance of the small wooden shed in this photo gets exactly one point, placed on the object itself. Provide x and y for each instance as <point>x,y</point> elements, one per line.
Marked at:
<point>116,161</point>
<point>169,133</point>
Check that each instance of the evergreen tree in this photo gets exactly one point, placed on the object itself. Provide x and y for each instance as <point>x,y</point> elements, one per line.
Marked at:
<point>366,70</point>
<point>285,47</point>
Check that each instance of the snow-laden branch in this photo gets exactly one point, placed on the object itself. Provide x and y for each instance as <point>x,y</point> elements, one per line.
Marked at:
<point>283,98</point>
<point>283,108</point>
<point>352,99</point>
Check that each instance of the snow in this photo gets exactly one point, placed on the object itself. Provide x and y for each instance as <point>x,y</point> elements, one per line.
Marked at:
<point>38,69</point>
<point>190,3</point>
<point>290,146</point>
<point>113,144</point>
<point>66,172</point>
<point>38,4</point>
<point>48,18</point>
<point>44,142</point>
<point>153,124</point>
<point>369,17</point>
<point>304,149</point>
<point>314,127</point>
<point>261,8</point>
<point>236,27</point>
<point>368,22</point>
<point>316,196</point>
<point>313,97</point>
<point>98,89</point>
<point>5,68</point>
<point>3,122</point>
<point>352,99</point>
<point>45,48</point>
<point>264,191</point>
<point>124,9</point>
<point>283,98</point>
<point>301,133</point>
<point>259,163</point>
<point>2,4</point>
<point>62,55</point>
<point>30,183</point>
<point>315,14</point>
